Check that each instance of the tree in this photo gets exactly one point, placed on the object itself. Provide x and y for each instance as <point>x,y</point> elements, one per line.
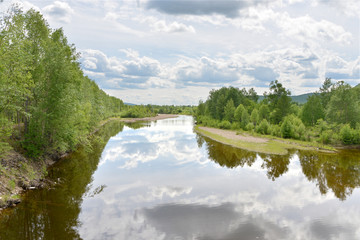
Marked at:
<point>254,117</point>
<point>238,112</point>
<point>245,119</point>
<point>312,110</point>
<point>344,106</point>
<point>264,112</point>
<point>279,101</point>
<point>326,91</point>
<point>229,111</point>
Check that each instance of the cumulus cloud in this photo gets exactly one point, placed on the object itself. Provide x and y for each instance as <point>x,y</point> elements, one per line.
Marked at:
<point>174,27</point>
<point>226,8</point>
<point>297,68</point>
<point>59,11</point>
<point>305,28</point>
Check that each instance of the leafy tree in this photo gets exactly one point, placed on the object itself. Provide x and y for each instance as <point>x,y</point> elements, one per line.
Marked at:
<point>312,110</point>
<point>263,127</point>
<point>264,112</point>
<point>254,116</point>
<point>229,111</point>
<point>286,128</point>
<point>279,101</point>
<point>245,119</point>
<point>344,106</point>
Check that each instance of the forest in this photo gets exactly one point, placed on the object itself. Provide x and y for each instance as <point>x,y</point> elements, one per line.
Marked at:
<point>46,103</point>
<point>330,116</point>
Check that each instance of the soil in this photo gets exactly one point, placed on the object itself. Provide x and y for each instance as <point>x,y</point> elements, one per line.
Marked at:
<point>232,135</point>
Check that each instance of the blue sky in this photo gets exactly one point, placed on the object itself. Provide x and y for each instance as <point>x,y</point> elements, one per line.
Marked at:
<point>175,52</point>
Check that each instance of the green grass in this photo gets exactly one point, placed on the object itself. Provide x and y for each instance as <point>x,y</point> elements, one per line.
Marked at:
<point>274,145</point>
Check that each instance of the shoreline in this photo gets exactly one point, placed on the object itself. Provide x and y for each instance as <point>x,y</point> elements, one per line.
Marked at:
<point>19,174</point>
<point>261,144</point>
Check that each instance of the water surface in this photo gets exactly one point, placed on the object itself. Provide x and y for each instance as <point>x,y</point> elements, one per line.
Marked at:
<point>160,180</point>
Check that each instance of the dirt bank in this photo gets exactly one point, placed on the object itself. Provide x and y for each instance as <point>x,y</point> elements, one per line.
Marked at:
<point>266,144</point>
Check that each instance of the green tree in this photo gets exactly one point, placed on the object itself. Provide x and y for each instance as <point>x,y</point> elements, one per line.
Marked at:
<point>264,112</point>
<point>344,106</point>
<point>238,112</point>
<point>279,101</point>
<point>229,111</point>
<point>254,117</point>
<point>312,110</point>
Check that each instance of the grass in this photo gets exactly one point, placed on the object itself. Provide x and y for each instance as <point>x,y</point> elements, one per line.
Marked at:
<point>274,145</point>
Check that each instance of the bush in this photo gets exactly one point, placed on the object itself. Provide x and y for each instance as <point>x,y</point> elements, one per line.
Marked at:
<point>325,137</point>
<point>287,130</point>
<point>346,134</point>
<point>263,127</point>
<point>275,130</point>
<point>225,124</point>
<point>249,127</point>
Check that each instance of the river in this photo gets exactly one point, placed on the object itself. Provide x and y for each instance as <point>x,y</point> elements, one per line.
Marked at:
<point>160,180</point>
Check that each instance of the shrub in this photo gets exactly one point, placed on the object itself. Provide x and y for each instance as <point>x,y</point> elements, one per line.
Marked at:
<point>249,127</point>
<point>225,124</point>
<point>263,127</point>
<point>275,130</point>
<point>346,134</point>
<point>287,128</point>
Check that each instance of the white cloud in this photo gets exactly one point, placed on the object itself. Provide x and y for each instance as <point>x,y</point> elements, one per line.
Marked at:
<point>59,11</point>
<point>174,27</point>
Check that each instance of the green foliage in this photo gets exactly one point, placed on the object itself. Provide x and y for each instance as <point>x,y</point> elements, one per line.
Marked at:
<point>338,103</point>
<point>5,132</point>
<point>238,112</point>
<point>138,111</point>
<point>249,127</point>
<point>43,87</point>
<point>344,106</point>
<point>287,129</point>
<point>229,111</point>
<point>279,101</point>
<point>225,124</point>
<point>346,133</point>
<point>254,118</point>
<point>264,112</point>
<point>313,110</point>
<point>263,127</point>
<point>245,119</point>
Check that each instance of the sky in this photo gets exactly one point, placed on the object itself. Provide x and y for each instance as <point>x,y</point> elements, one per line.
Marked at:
<point>176,51</point>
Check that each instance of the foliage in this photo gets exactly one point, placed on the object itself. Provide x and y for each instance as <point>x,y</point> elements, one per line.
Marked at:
<point>320,119</point>
<point>263,127</point>
<point>312,110</point>
<point>43,87</point>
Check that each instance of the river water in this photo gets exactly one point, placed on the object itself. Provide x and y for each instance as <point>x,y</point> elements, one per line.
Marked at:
<point>160,180</point>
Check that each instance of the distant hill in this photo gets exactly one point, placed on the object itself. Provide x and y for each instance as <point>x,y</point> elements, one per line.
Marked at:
<point>299,98</point>
<point>358,86</point>
<point>130,104</point>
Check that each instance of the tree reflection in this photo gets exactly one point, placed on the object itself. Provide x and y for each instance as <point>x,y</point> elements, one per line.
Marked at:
<point>339,172</point>
<point>228,156</point>
<point>53,214</point>
<point>276,165</point>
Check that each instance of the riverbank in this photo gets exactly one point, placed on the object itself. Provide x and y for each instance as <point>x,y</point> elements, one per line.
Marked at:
<point>157,117</point>
<point>19,174</point>
<point>262,144</point>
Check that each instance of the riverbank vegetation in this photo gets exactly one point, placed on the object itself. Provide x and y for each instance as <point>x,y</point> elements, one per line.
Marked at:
<point>47,104</point>
<point>331,116</point>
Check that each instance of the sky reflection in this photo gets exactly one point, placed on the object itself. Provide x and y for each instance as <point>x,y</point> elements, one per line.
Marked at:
<point>161,185</point>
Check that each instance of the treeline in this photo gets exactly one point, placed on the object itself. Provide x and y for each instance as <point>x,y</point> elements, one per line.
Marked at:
<point>331,116</point>
<point>140,111</point>
<point>42,88</point>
